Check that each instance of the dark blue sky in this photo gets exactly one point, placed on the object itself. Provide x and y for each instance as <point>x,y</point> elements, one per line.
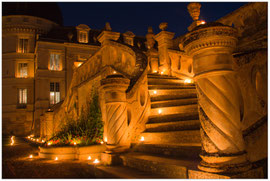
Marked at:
<point>137,16</point>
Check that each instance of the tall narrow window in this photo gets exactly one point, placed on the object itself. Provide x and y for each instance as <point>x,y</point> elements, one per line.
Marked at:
<point>22,98</point>
<point>22,70</point>
<point>54,61</point>
<point>23,46</point>
<point>54,93</point>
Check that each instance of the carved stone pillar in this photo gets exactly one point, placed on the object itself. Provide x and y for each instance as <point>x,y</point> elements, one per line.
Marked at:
<point>223,148</point>
<point>115,87</point>
<point>164,39</point>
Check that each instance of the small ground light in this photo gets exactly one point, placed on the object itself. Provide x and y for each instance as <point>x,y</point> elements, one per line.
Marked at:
<point>155,92</point>
<point>159,111</point>
<point>30,156</point>
<point>96,161</point>
<point>161,73</point>
<point>114,72</point>
<point>28,137</point>
<point>89,158</point>
<point>155,71</point>
<point>56,158</point>
<point>49,143</point>
<point>105,139</point>
<point>187,81</point>
<point>142,138</point>
<point>75,143</point>
<point>203,22</point>
<point>12,140</point>
<point>102,142</point>
<point>42,141</point>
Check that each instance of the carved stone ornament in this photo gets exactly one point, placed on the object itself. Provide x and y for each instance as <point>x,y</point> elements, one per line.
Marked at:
<point>194,10</point>
<point>108,26</point>
<point>163,26</point>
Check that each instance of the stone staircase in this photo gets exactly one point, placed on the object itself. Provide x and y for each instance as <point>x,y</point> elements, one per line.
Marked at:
<point>172,142</point>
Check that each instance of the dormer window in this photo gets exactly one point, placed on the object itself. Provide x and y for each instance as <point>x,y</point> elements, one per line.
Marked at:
<point>83,37</point>
<point>82,33</point>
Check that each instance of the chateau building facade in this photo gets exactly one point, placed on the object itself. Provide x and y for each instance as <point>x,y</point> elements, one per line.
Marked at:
<point>203,93</point>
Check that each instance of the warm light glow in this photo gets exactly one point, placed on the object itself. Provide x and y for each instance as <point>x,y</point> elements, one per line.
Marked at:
<point>42,141</point>
<point>114,72</point>
<point>155,71</point>
<point>30,156</point>
<point>28,137</point>
<point>155,92</point>
<point>31,135</point>
<point>77,64</point>
<point>12,140</point>
<point>101,142</point>
<point>202,22</point>
<point>161,73</point>
<point>49,143</point>
<point>105,139</point>
<point>89,158</point>
<point>75,143</point>
<point>56,158</point>
<point>142,138</point>
<point>96,161</point>
<point>37,139</point>
<point>187,81</point>
<point>159,111</point>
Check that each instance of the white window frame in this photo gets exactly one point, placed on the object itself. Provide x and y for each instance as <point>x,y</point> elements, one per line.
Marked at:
<point>22,97</point>
<point>24,48</point>
<point>20,71</point>
<point>52,63</point>
<point>54,93</point>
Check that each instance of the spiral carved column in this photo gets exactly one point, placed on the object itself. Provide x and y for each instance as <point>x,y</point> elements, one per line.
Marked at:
<point>115,87</point>
<point>223,148</point>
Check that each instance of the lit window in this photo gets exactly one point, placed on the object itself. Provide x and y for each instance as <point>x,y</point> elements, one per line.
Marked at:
<point>23,46</point>
<point>22,70</point>
<point>22,98</point>
<point>83,38</point>
<point>54,61</point>
<point>54,93</point>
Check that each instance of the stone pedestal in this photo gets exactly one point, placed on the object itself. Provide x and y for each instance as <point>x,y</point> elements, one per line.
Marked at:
<point>164,39</point>
<point>218,97</point>
<point>116,124</point>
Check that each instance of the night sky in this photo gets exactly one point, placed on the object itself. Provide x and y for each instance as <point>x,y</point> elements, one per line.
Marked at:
<point>137,16</point>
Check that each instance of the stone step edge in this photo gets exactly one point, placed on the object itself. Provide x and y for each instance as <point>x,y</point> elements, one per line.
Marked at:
<point>148,125</point>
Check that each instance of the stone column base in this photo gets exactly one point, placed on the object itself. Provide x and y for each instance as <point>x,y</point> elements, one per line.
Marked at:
<point>253,173</point>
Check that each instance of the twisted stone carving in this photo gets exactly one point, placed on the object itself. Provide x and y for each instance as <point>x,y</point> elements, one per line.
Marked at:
<point>223,147</point>
<point>116,123</point>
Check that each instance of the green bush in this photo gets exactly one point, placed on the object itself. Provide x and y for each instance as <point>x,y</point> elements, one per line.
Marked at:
<point>87,130</point>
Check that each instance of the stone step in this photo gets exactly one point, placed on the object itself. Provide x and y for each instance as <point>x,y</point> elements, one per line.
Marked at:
<point>161,76</point>
<point>158,165</point>
<point>176,137</point>
<point>177,150</point>
<point>122,172</point>
<point>173,126</point>
<point>171,94</point>
<point>181,86</point>
<point>164,81</point>
<point>175,102</point>
<point>173,117</point>
<point>191,108</point>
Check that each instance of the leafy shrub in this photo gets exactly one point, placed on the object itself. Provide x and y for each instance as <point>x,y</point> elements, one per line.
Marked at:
<point>87,130</point>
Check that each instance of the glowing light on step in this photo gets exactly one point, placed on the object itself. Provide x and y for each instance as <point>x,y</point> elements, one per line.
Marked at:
<point>89,158</point>
<point>187,81</point>
<point>202,22</point>
<point>28,137</point>
<point>49,143</point>
<point>155,71</point>
<point>37,140</point>
<point>56,158</point>
<point>155,92</point>
<point>105,139</point>
<point>142,138</point>
<point>75,143</point>
<point>30,156</point>
<point>159,111</point>
<point>161,73</point>
<point>102,142</point>
<point>12,140</point>
<point>96,161</point>
<point>42,141</point>
<point>114,72</point>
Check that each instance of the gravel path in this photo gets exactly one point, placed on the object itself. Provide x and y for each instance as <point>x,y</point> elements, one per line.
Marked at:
<point>17,164</point>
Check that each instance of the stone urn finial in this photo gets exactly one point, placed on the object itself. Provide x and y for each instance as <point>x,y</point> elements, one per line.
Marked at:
<point>150,29</point>
<point>108,26</point>
<point>163,26</point>
<point>194,10</point>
